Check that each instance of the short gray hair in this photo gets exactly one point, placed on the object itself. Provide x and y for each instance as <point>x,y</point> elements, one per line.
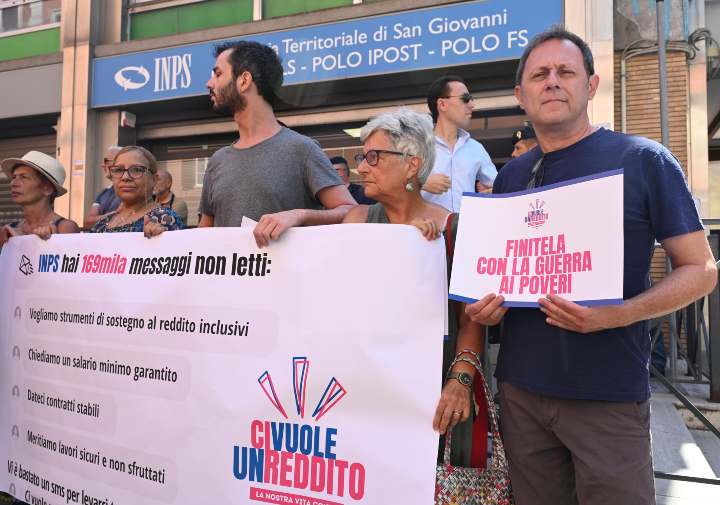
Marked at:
<point>410,133</point>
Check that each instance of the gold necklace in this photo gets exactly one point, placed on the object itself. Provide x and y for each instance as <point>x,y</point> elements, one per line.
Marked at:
<point>129,218</point>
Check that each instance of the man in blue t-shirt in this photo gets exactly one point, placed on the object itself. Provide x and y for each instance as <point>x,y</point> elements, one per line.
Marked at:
<point>574,380</point>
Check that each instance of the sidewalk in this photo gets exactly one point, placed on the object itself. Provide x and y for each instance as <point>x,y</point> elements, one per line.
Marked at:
<point>679,450</point>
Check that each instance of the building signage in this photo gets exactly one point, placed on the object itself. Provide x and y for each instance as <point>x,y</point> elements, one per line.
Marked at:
<point>458,34</point>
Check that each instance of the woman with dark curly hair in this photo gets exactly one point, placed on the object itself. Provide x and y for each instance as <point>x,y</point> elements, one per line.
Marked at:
<point>134,175</point>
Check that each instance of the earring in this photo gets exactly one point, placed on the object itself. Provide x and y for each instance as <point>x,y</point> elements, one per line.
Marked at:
<point>409,187</point>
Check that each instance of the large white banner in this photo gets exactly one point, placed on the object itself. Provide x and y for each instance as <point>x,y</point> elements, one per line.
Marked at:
<point>564,239</point>
<point>195,368</point>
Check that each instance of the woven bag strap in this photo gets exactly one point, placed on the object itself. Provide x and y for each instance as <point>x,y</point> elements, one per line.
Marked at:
<point>499,460</point>
<point>498,451</point>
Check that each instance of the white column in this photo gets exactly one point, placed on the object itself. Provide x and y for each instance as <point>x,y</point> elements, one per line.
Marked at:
<point>75,46</point>
<point>83,133</point>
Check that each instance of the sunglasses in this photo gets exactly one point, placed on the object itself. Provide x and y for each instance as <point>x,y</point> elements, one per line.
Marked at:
<point>372,157</point>
<point>134,171</point>
<point>465,97</point>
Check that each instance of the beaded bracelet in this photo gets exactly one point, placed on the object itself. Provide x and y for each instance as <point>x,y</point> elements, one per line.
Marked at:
<point>466,360</point>
<point>471,352</point>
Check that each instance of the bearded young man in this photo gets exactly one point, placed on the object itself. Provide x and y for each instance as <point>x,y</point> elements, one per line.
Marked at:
<point>574,384</point>
<point>271,174</point>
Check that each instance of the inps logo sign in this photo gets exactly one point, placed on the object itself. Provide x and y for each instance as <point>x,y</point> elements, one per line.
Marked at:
<point>132,77</point>
<point>168,73</point>
<point>173,72</point>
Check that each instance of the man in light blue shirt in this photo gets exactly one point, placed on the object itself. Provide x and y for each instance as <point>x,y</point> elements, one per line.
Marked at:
<point>461,163</point>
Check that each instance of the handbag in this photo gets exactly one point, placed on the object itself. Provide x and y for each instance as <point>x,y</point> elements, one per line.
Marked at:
<point>474,486</point>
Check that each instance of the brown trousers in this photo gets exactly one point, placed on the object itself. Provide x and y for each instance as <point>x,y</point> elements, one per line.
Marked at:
<point>569,452</point>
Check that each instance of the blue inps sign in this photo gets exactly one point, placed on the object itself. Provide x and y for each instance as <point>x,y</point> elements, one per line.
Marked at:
<point>457,34</point>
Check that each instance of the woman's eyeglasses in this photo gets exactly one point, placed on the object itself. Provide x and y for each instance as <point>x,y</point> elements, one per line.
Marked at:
<point>134,171</point>
<point>465,97</point>
<point>373,156</point>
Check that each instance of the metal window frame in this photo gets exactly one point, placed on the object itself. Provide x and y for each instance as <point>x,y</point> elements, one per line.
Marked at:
<point>30,29</point>
<point>153,5</point>
<point>6,4</point>
<point>199,179</point>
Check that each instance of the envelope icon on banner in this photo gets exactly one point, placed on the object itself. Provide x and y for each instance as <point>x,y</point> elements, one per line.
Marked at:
<point>25,265</point>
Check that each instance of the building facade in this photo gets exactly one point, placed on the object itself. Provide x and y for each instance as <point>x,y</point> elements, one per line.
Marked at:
<point>80,75</point>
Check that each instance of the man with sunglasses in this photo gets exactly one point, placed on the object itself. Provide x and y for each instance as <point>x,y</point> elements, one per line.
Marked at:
<point>106,201</point>
<point>573,380</point>
<point>461,163</point>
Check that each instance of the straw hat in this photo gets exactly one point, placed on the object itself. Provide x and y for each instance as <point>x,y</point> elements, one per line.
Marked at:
<point>46,165</point>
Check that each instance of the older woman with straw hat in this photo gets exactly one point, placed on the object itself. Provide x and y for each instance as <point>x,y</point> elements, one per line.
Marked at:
<point>36,180</point>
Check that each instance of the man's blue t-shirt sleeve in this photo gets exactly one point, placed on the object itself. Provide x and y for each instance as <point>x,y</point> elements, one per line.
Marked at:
<point>671,208</point>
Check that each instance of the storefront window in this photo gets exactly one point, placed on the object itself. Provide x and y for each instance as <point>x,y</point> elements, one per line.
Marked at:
<point>493,129</point>
<point>15,17</point>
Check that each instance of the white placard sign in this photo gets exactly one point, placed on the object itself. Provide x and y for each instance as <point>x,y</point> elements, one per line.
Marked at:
<point>564,239</point>
<point>196,368</point>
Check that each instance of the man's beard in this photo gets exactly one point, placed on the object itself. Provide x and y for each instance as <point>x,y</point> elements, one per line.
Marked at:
<point>228,101</point>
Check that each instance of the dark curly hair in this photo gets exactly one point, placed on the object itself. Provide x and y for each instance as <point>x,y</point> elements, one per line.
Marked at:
<point>260,60</point>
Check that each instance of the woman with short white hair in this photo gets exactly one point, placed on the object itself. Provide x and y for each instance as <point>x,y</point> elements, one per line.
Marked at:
<point>398,155</point>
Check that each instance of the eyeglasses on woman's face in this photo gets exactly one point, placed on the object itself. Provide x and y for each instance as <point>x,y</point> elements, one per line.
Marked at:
<point>372,157</point>
<point>134,171</point>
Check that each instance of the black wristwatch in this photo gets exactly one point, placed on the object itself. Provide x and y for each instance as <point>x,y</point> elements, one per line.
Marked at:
<point>463,378</point>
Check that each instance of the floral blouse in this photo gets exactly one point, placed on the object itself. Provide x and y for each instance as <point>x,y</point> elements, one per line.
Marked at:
<point>163,215</point>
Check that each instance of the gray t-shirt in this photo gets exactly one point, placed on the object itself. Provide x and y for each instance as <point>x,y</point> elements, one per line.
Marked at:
<point>284,172</point>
